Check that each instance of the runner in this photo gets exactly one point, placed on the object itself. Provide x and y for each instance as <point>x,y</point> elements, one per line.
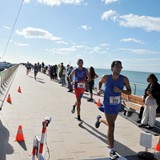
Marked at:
<point>79,85</point>
<point>35,70</point>
<point>28,67</point>
<point>114,84</point>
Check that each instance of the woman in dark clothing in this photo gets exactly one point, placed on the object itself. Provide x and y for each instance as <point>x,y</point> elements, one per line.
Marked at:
<point>93,76</point>
<point>151,100</point>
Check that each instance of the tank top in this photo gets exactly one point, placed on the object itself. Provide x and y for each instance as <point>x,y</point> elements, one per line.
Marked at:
<point>80,77</point>
<point>112,98</point>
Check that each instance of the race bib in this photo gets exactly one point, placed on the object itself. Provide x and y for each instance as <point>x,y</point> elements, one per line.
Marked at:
<point>81,85</point>
<point>114,100</point>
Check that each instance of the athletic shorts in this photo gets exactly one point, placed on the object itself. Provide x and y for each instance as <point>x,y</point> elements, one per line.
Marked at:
<point>110,110</point>
<point>79,92</point>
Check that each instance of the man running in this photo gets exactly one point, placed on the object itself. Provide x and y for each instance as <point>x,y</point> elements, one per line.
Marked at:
<point>114,84</point>
<point>35,70</point>
<point>28,67</point>
<point>79,83</point>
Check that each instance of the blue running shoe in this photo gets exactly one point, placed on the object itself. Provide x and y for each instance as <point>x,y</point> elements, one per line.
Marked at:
<point>97,124</point>
<point>73,109</point>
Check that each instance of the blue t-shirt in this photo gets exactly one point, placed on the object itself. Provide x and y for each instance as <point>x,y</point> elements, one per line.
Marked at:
<point>112,99</point>
<point>80,76</point>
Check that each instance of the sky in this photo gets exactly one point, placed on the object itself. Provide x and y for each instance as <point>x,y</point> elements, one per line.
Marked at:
<point>97,31</point>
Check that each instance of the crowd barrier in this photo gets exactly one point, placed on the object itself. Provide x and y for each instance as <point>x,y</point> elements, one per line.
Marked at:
<point>4,75</point>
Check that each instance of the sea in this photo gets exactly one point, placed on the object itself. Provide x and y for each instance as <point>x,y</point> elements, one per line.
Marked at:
<point>138,80</point>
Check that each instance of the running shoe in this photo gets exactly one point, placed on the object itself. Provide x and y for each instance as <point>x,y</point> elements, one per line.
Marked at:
<point>113,155</point>
<point>73,109</point>
<point>142,125</point>
<point>97,124</point>
<point>90,100</point>
<point>79,118</point>
<point>80,122</point>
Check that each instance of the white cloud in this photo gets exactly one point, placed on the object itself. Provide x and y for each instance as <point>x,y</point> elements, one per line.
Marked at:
<point>100,49</point>
<point>62,51</point>
<point>139,51</point>
<point>62,42</point>
<point>7,27</point>
<point>83,49</point>
<point>109,14</point>
<point>147,23</point>
<point>85,27</point>
<point>131,40</point>
<point>104,44</point>
<point>109,1</point>
<point>21,44</point>
<point>37,33</point>
<point>27,1</point>
<point>60,2</point>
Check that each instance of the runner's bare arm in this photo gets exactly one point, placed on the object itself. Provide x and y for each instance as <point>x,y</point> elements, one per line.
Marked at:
<point>88,75</point>
<point>102,80</point>
<point>71,74</point>
<point>127,85</point>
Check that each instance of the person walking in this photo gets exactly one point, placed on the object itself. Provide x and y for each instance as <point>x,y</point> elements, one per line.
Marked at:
<point>28,68</point>
<point>60,70</point>
<point>70,87</point>
<point>35,70</point>
<point>93,76</point>
<point>114,84</point>
<point>79,83</point>
<point>151,100</point>
<point>63,76</point>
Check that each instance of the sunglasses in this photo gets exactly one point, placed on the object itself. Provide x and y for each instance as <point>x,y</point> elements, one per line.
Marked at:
<point>119,67</point>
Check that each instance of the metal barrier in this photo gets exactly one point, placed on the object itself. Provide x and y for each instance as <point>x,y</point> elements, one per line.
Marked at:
<point>39,143</point>
<point>137,88</point>
<point>4,75</point>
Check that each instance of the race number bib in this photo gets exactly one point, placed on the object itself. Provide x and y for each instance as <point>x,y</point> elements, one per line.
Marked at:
<point>81,85</point>
<point>114,100</point>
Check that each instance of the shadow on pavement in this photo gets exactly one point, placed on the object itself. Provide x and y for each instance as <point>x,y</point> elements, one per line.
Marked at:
<point>38,79</point>
<point>23,145</point>
<point>133,117</point>
<point>41,81</point>
<point>131,157</point>
<point>5,147</point>
<point>103,138</point>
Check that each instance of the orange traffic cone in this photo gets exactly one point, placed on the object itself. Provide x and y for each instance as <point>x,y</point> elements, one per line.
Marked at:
<point>157,146</point>
<point>19,137</point>
<point>99,103</point>
<point>19,89</point>
<point>9,99</point>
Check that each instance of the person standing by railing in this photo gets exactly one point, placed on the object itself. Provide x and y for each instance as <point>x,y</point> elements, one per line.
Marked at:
<point>70,87</point>
<point>114,84</point>
<point>93,76</point>
<point>151,100</point>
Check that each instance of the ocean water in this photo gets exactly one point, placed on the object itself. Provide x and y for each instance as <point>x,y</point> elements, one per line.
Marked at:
<point>137,79</point>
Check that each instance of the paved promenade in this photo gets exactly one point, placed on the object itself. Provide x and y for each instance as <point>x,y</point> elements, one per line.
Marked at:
<point>65,139</point>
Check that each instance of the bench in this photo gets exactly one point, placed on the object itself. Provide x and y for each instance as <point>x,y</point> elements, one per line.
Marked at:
<point>132,103</point>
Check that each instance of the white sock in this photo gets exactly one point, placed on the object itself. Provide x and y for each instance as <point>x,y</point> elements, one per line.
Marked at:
<point>112,149</point>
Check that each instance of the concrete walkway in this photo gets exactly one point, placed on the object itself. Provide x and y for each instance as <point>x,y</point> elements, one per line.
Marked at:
<point>65,139</point>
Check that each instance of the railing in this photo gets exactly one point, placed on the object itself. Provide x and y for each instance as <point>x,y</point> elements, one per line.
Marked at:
<point>138,89</point>
<point>4,75</point>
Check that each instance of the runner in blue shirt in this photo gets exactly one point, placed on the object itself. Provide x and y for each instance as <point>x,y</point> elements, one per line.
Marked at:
<point>114,85</point>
